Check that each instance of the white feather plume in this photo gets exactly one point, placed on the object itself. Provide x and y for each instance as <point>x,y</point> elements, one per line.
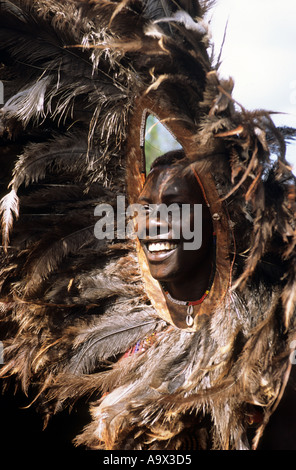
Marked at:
<point>9,210</point>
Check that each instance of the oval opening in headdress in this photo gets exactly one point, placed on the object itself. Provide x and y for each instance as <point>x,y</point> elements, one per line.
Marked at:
<point>155,140</point>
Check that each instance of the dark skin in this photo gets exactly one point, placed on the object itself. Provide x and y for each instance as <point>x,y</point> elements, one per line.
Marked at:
<point>186,273</point>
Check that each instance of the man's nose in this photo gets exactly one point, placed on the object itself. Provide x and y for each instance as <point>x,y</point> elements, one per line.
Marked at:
<point>156,226</point>
<point>157,222</point>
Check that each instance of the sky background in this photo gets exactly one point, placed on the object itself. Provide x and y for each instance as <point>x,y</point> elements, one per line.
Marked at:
<point>260,54</point>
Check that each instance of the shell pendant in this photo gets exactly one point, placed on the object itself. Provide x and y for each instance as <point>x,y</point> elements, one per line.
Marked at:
<point>189,319</point>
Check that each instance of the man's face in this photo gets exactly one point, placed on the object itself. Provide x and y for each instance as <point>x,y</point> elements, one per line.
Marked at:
<point>165,251</point>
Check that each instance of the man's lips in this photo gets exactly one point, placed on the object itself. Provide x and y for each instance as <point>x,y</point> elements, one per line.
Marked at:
<point>158,250</point>
<point>157,246</point>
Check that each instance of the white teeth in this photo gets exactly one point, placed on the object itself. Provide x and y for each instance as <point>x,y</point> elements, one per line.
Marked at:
<point>161,246</point>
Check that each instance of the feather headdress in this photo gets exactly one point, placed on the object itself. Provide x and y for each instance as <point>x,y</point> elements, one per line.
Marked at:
<point>78,76</point>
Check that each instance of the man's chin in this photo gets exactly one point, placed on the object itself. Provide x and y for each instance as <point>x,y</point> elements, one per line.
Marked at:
<point>163,274</point>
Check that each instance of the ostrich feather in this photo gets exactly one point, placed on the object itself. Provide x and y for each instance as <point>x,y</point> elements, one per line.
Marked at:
<point>9,209</point>
<point>54,254</point>
<point>28,103</point>
<point>186,20</point>
<point>93,344</point>
<point>163,8</point>
<point>62,153</point>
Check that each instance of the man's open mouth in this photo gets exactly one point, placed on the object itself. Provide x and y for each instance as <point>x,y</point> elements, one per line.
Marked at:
<point>154,247</point>
<point>157,251</point>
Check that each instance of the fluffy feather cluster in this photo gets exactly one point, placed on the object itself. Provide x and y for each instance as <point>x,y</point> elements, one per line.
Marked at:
<point>71,305</point>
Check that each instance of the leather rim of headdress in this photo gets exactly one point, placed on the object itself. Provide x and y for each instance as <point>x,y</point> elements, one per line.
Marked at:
<point>135,179</point>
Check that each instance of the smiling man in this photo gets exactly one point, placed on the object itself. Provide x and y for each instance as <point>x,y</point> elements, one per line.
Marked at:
<point>183,267</point>
<point>165,359</point>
